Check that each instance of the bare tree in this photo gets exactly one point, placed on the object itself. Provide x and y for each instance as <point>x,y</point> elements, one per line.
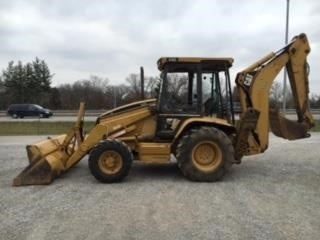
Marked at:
<point>118,95</point>
<point>92,91</point>
<point>177,84</point>
<point>134,87</point>
<point>276,96</point>
<point>151,87</point>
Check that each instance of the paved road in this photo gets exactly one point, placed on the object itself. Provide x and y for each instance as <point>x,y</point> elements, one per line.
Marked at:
<point>275,195</point>
<point>51,119</point>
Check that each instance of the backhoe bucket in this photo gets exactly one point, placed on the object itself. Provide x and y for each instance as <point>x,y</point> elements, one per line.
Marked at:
<point>285,128</point>
<point>48,158</point>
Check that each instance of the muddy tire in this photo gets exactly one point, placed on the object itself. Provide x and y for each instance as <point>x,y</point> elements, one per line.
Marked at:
<point>205,154</point>
<point>110,161</point>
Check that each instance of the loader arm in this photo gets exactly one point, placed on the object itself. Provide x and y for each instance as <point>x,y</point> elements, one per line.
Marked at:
<point>254,84</point>
<point>52,157</point>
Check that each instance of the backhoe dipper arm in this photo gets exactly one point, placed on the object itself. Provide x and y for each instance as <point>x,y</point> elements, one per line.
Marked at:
<point>254,84</point>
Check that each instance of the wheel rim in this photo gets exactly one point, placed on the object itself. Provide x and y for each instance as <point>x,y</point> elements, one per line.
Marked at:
<point>110,162</point>
<point>207,156</point>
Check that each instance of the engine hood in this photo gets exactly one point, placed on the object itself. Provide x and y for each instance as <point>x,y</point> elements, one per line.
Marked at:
<point>127,107</point>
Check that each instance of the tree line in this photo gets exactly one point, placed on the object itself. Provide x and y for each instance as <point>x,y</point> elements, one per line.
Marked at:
<point>31,83</point>
<point>25,83</point>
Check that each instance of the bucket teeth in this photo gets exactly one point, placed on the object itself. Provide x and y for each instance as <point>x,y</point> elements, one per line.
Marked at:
<point>37,173</point>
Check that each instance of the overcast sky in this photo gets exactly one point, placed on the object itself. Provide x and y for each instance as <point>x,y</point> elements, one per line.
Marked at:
<point>112,39</point>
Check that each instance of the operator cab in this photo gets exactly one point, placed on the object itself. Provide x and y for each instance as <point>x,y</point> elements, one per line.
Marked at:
<point>193,87</point>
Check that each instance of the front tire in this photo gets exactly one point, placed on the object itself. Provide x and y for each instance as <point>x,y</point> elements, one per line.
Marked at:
<point>205,154</point>
<point>110,161</point>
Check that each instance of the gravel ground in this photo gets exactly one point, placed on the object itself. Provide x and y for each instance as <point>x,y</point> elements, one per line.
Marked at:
<point>275,195</point>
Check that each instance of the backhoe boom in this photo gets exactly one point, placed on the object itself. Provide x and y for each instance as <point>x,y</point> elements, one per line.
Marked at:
<point>254,84</point>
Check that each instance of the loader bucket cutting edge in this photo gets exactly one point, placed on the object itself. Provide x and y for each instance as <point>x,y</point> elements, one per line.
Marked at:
<point>37,173</point>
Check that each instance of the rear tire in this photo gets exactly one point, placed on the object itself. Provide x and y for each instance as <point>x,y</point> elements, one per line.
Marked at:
<point>205,154</point>
<point>15,115</point>
<point>110,161</point>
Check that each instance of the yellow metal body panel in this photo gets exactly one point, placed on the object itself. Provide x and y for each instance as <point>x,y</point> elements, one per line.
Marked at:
<point>154,152</point>
<point>131,123</point>
<point>43,148</point>
<point>213,121</point>
<point>260,97</point>
<point>130,106</point>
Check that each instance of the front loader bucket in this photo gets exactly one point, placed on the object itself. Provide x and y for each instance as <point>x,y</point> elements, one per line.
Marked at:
<point>285,128</point>
<point>48,159</point>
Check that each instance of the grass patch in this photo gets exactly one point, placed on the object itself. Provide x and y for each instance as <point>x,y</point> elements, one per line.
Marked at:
<point>38,128</point>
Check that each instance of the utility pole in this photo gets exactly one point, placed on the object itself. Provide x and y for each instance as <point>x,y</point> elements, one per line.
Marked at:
<point>285,72</point>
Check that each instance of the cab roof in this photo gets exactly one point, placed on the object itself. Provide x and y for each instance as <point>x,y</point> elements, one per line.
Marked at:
<point>219,63</point>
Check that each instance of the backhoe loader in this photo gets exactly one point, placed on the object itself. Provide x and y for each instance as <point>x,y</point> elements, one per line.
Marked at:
<point>193,120</point>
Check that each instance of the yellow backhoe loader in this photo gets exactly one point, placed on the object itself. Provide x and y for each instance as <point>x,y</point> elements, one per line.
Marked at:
<point>193,119</point>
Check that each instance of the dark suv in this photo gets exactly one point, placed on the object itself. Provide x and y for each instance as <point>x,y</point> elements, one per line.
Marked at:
<point>28,110</point>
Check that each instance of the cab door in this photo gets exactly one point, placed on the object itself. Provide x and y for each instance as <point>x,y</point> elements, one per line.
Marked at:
<point>179,98</point>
